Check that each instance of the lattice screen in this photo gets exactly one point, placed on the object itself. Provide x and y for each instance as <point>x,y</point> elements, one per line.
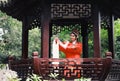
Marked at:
<point>70,10</point>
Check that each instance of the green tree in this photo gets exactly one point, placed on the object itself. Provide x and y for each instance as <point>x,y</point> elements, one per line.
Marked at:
<point>12,43</point>
<point>117,38</point>
<point>34,41</point>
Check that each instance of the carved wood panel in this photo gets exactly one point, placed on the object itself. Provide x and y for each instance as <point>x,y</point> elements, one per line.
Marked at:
<point>70,10</point>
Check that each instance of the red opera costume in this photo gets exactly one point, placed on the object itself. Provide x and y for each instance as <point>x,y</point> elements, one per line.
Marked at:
<point>72,50</point>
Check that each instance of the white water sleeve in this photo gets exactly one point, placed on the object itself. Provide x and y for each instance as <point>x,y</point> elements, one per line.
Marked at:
<point>55,49</point>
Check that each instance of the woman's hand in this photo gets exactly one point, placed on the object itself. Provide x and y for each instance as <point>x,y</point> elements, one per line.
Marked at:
<point>57,40</point>
<point>64,45</point>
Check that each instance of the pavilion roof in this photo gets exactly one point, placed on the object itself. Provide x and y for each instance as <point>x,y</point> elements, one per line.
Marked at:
<point>18,8</point>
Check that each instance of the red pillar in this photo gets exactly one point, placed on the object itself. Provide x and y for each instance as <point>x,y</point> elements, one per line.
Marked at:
<point>45,25</point>
<point>96,32</point>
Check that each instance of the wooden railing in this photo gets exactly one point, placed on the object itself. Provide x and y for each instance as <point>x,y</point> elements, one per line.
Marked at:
<point>70,69</point>
<point>99,69</point>
<point>114,73</point>
<point>23,67</point>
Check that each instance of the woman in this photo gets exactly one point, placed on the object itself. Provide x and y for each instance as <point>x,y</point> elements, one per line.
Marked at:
<point>72,48</point>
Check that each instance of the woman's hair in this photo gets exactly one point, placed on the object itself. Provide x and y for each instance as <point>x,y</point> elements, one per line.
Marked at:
<point>76,33</point>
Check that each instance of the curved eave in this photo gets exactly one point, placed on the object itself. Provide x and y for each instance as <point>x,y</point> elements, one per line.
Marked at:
<point>17,8</point>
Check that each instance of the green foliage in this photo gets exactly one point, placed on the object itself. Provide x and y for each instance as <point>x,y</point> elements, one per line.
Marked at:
<point>2,66</point>
<point>34,77</point>
<point>104,42</point>
<point>83,79</point>
<point>12,43</point>
<point>90,44</point>
<point>34,41</point>
<point>117,38</point>
<point>54,76</point>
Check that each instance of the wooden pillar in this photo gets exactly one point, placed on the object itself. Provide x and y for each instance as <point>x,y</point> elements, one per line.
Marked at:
<point>111,36</point>
<point>45,23</point>
<point>24,39</point>
<point>96,32</point>
<point>85,38</point>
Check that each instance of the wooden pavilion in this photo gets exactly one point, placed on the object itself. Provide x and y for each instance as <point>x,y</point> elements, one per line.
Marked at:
<point>46,13</point>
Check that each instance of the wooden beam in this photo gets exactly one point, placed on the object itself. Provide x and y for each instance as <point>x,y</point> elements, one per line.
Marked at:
<point>96,32</point>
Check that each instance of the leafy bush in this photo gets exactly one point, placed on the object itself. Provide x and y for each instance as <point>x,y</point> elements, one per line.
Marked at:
<point>35,77</point>
<point>8,75</point>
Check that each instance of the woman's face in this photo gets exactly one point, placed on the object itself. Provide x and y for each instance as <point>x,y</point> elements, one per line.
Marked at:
<point>72,37</point>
